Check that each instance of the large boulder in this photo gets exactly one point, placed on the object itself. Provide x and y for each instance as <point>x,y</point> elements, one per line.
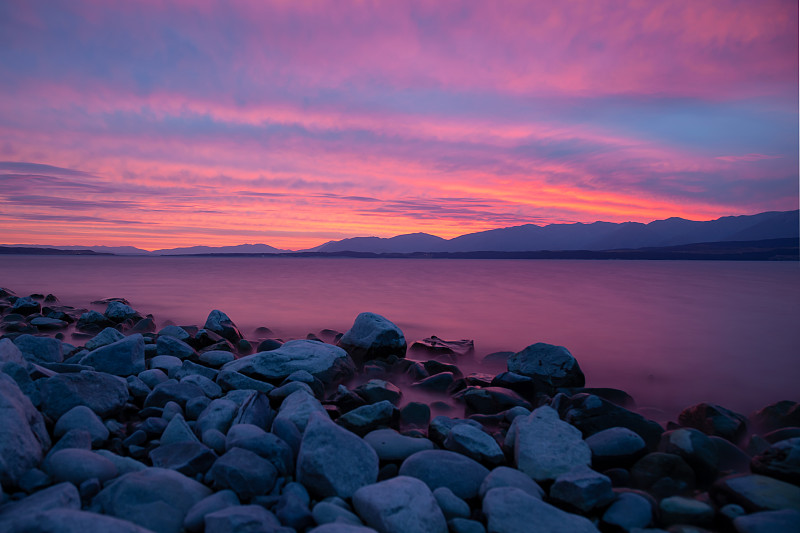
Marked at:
<point>756,493</point>
<point>442,468</point>
<point>333,461</point>
<point>400,505</point>
<point>325,362</point>
<point>373,336</point>
<point>510,510</point>
<point>550,366</point>
<point>714,420</point>
<point>40,349</point>
<point>122,358</point>
<point>222,325</point>
<point>23,435</point>
<point>155,498</point>
<point>120,312</point>
<point>298,407</point>
<point>546,447</point>
<point>102,393</point>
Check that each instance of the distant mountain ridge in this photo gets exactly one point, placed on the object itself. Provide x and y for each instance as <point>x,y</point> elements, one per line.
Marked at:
<point>527,238</point>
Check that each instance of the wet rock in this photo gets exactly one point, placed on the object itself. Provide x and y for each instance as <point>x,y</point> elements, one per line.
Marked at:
<point>546,447</point>
<point>663,475</point>
<point>491,400</point>
<point>81,417</point>
<point>715,420</point>
<point>23,436</point>
<point>76,466</point>
<point>756,493</point>
<point>615,448</point>
<point>25,306</point>
<point>378,390</point>
<point>121,358</point>
<point>785,521</point>
<point>781,461</point>
<point>372,337</point>
<point>511,510</point>
<point>241,519</point>
<point>695,448</point>
<point>195,517</point>
<point>369,417</point>
<point>679,510</point>
<point>39,349</point>
<point>325,362</point>
<point>222,325</point>
<point>189,458</point>
<point>102,393</point>
<point>442,468</point>
<point>550,366</point>
<point>629,511</point>
<point>154,498</point>
<point>474,443</point>
<point>243,472</point>
<point>266,445</point>
<point>777,415</point>
<point>582,489</point>
<point>104,338</point>
<point>119,312</point>
<point>392,446</point>
<point>400,505</point>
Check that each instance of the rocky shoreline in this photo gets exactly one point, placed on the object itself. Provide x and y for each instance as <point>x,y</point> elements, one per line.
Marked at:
<point>110,423</point>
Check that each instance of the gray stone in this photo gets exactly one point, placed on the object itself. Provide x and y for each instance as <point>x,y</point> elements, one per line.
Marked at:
<point>60,496</point>
<point>25,306</point>
<point>76,466</point>
<point>333,461</point>
<point>93,322</point>
<point>756,493</point>
<point>298,407</point>
<point>19,373</point>
<point>23,435</point>
<point>474,443</point>
<point>102,393</point>
<point>441,426</point>
<point>372,337</point>
<point>785,521</point>
<point>323,361</point>
<point>400,505</point>
<point>188,458</point>
<point>176,332</point>
<point>680,510</point>
<point>503,476</point>
<point>442,468</point>
<point>74,438</point>
<point>124,465</point>
<point>378,390</point>
<point>230,380</point>
<point>279,393</point>
<point>153,377</point>
<point>546,447</point>
<point>241,519</point>
<point>104,338</point>
<point>155,498</point>
<point>267,445</point>
<point>451,505</point>
<point>325,512</point>
<point>39,349</point>
<point>216,358</point>
<point>243,472</point>
<point>81,417</point>
<point>492,400</point>
<point>177,430</point>
<point>119,312</point>
<point>71,521</point>
<point>174,347</point>
<point>366,418</point>
<point>209,388</point>
<point>195,518</point>
<point>582,489</point>
<point>172,391</point>
<point>215,440</point>
<point>9,353</point>
<point>781,461</point>
<point>550,366</point>
<point>392,446</point>
<point>222,325</point>
<point>511,510</point>
<point>616,447</point>
<point>44,323</point>
<point>166,363</point>
<point>628,511</point>
<point>218,415</point>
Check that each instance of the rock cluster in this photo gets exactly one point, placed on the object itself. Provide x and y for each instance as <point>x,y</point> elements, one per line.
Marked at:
<point>133,429</point>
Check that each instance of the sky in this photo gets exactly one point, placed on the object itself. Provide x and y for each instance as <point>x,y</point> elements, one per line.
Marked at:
<point>291,123</point>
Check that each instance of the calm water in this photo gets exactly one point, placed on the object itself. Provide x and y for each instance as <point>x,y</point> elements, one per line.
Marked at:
<point>670,333</point>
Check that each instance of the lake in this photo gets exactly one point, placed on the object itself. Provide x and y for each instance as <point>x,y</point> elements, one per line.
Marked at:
<point>671,333</point>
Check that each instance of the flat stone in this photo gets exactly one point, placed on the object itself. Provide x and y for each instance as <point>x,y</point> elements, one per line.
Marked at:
<point>372,336</point>
<point>511,510</point>
<point>355,464</point>
<point>243,472</point>
<point>474,443</point>
<point>392,446</point>
<point>756,493</point>
<point>76,466</point>
<point>582,489</point>
<point>400,505</point>
<point>44,323</point>
<point>442,468</point>
<point>23,436</point>
<point>102,393</point>
<point>230,380</point>
<point>81,417</point>
<point>546,447</point>
<point>216,358</point>
<point>785,521</point>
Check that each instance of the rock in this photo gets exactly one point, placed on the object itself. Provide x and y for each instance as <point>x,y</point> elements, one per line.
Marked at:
<point>195,517</point>
<point>663,474</point>
<point>119,312</point>
<point>60,496</point>
<point>121,358</point>
<point>781,461</point>
<point>153,377</point>
<point>441,426</point>
<point>355,464</point>
<point>373,337</point>
<point>341,528</point>
<point>400,505</point>
<point>189,458</point>
<point>592,414</point>
<point>546,447</point>
<point>679,510</point>
<point>172,391</point>
<point>582,489</point>
<point>615,448</point>
<point>437,383</point>
<point>474,443</point>
<point>93,322</point>
<point>392,446</point>
<point>283,391</point>
<point>325,362</point>
<point>267,445</point>
<point>218,415</point>
<point>23,436</point>
<point>176,332</point>
<point>81,417</point>
<point>298,407</point>
<point>177,430</point>
<point>550,366</point>
<point>21,377</point>
<point>25,306</point>
<point>241,519</point>
<point>124,465</point>
<point>166,363</point>
<point>104,338</point>
<point>39,349</point>
<point>46,324</point>
<point>378,390</point>
<point>137,388</point>
<point>222,325</point>
<point>629,511</point>
<point>209,388</point>
<point>9,353</point>
<point>491,400</point>
<point>732,459</point>
<point>72,521</point>
<point>442,468</point>
<point>511,510</point>
<point>216,358</point>
<point>695,448</point>
<point>154,498</point>
<point>715,420</point>
<point>230,380</point>
<point>503,476</point>
<point>415,414</point>
<point>325,512</point>
<point>756,493</point>
<point>174,347</point>
<point>292,509</point>
<point>451,505</point>
<point>102,393</point>
<point>784,521</point>
<point>777,415</point>
<point>76,466</point>
<point>243,472</point>
<point>369,417</point>
<point>433,346</point>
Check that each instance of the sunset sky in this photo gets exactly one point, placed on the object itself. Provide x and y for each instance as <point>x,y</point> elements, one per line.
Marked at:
<point>163,124</point>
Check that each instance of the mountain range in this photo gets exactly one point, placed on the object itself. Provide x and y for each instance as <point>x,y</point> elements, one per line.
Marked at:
<point>530,237</point>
